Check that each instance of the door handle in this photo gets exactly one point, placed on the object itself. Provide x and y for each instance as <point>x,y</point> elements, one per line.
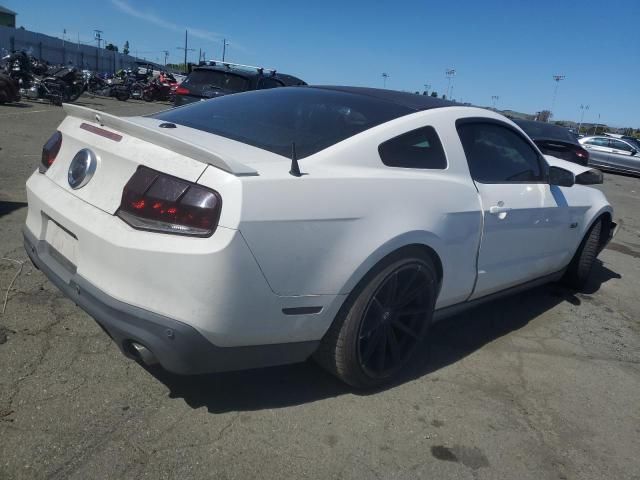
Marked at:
<point>498,209</point>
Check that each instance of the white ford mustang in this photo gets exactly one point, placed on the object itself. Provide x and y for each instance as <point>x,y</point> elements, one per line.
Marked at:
<point>266,227</point>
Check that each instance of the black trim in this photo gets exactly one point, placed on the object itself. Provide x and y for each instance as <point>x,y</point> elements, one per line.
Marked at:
<point>301,310</point>
<point>178,347</point>
<point>451,310</point>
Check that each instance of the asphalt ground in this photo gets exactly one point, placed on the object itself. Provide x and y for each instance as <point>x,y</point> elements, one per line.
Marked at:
<point>542,385</point>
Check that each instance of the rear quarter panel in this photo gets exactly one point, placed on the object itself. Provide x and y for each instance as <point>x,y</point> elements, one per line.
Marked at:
<point>321,233</point>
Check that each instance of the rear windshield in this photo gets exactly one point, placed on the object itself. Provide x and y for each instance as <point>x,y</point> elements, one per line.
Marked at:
<point>216,80</point>
<point>273,119</point>
<point>545,131</point>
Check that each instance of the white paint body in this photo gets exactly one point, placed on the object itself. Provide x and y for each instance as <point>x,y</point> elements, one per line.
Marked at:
<point>288,242</point>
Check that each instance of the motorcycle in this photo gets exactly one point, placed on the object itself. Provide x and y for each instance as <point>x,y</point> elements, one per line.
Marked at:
<point>97,85</point>
<point>36,80</point>
<point>9,91</point>
<point>161,88</point>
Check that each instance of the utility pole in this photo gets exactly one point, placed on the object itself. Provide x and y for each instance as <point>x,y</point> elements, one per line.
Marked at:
<point>186,49</point>
<point>582,108</point>
<point>385,75</point>
<point>450,73</point>
<point>224,48</point>
<point>494,100</point>
<point>557,79</point>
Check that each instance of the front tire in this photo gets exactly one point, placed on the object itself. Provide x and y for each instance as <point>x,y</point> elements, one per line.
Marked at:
<point>383,322</point>
<point>579,269</point>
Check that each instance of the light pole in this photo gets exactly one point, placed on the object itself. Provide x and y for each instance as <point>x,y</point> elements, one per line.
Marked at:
<point>450,73</point>
<point>427,87</point>
<point>582,108</point>
<point>557,79</point>
<point>595,128</point>
<point>166,55</point>
<point>385,75</point>
<point>97,35</point>
<point>494,100</point>
<point>224,48</point>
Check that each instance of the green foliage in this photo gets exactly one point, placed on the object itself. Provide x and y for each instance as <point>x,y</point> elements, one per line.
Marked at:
<point>125,49</point>
<point>111,47</point>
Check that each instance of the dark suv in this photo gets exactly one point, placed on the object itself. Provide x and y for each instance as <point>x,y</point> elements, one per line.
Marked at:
<point>214,79</point>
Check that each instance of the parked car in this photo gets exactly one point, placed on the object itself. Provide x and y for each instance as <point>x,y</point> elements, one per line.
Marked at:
<point>216,79</point>
<point>335,222</point>
<point>613,154</point>
<point>555,140</point>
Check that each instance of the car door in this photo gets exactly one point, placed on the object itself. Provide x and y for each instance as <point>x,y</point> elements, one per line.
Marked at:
<point>526,229</point>
<point>622,155</point>
<point>599,150</point>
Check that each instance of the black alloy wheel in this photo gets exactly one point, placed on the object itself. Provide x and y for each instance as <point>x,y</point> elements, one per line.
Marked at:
<point>394,320</point>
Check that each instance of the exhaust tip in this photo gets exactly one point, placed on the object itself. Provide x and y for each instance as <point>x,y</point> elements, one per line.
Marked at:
<point>143,354</point>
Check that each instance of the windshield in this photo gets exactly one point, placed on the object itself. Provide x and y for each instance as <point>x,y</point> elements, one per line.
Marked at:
<point>213,79</point>
<point>273,119</point>
<point>546,131</point>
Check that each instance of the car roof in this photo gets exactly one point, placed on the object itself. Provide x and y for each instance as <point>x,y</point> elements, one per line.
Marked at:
<point>409,100</point>
<point>250,72</point>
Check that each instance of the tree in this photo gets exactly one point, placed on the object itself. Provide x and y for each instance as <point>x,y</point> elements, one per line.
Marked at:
<point>111,47</point>
<point>125,49</point>
<point>444,97</point>
<point>543,116</point>
<point>434,94</point>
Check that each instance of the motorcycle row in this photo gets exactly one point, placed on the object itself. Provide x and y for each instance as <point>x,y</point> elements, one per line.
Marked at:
<point>24,76</point>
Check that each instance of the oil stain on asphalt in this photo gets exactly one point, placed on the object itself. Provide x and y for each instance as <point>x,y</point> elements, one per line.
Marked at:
<point>471,457</point>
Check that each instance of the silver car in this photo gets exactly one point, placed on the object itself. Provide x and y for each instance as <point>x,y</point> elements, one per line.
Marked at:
<point>612,153</point>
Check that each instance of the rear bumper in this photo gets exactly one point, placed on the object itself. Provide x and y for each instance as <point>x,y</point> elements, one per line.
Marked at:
<point>178,347</point>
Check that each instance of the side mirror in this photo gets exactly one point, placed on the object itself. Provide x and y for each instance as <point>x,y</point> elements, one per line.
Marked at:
<point>633,151</point>
<point>590,177</point>
<point>561,177</point>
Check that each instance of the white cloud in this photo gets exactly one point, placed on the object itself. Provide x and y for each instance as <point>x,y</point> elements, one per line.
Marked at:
<point>151,17</point>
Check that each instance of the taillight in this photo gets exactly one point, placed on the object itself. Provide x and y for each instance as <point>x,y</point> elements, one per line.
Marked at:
<point>180,90</point>
<point>158,202</point>
<point>582,153</point>
<point>50,151</point>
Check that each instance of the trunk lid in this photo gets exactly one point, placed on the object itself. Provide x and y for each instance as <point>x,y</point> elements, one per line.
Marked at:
<point>121,145</point>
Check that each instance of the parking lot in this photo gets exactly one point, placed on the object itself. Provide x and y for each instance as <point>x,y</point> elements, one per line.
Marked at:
<point>542,385</point>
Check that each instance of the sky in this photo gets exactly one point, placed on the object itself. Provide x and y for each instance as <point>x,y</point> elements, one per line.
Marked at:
<point>505,48</point>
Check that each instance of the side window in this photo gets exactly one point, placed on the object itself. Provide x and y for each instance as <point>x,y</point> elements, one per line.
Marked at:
<point>619,145</point>
<point>269,83</point>
<point>497,154</point>
<point>419,148</point>
<point>600,142</point>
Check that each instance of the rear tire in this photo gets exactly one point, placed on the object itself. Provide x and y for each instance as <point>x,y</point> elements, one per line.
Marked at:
<point>579,269</point>
<point>383,322</point>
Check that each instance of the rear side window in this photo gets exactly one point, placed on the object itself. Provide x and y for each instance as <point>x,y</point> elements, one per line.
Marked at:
<point>497,154</point>
<point>215,80</point>
<point>419,148</point>
<point>600,142</point>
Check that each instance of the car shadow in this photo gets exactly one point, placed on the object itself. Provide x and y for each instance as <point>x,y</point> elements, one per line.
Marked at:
<point>7,207</point>
<point>17,105</point>
<point>449,341</point>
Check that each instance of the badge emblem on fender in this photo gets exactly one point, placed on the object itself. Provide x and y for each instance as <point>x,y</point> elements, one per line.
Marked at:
<point>82,168</point>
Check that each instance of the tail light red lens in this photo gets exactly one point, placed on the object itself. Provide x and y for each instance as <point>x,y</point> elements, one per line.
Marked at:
<point>50,151</point>
<point>582,153</point>
<point>158,202</point>
<point>180,90</point>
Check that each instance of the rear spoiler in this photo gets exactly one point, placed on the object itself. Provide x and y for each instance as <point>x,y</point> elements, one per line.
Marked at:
<point>159,138</point>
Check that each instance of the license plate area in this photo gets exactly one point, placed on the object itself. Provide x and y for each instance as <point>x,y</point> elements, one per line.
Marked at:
<point>61,244</point>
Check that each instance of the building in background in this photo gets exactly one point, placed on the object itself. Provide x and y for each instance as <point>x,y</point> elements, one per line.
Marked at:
<point>7,17</point>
